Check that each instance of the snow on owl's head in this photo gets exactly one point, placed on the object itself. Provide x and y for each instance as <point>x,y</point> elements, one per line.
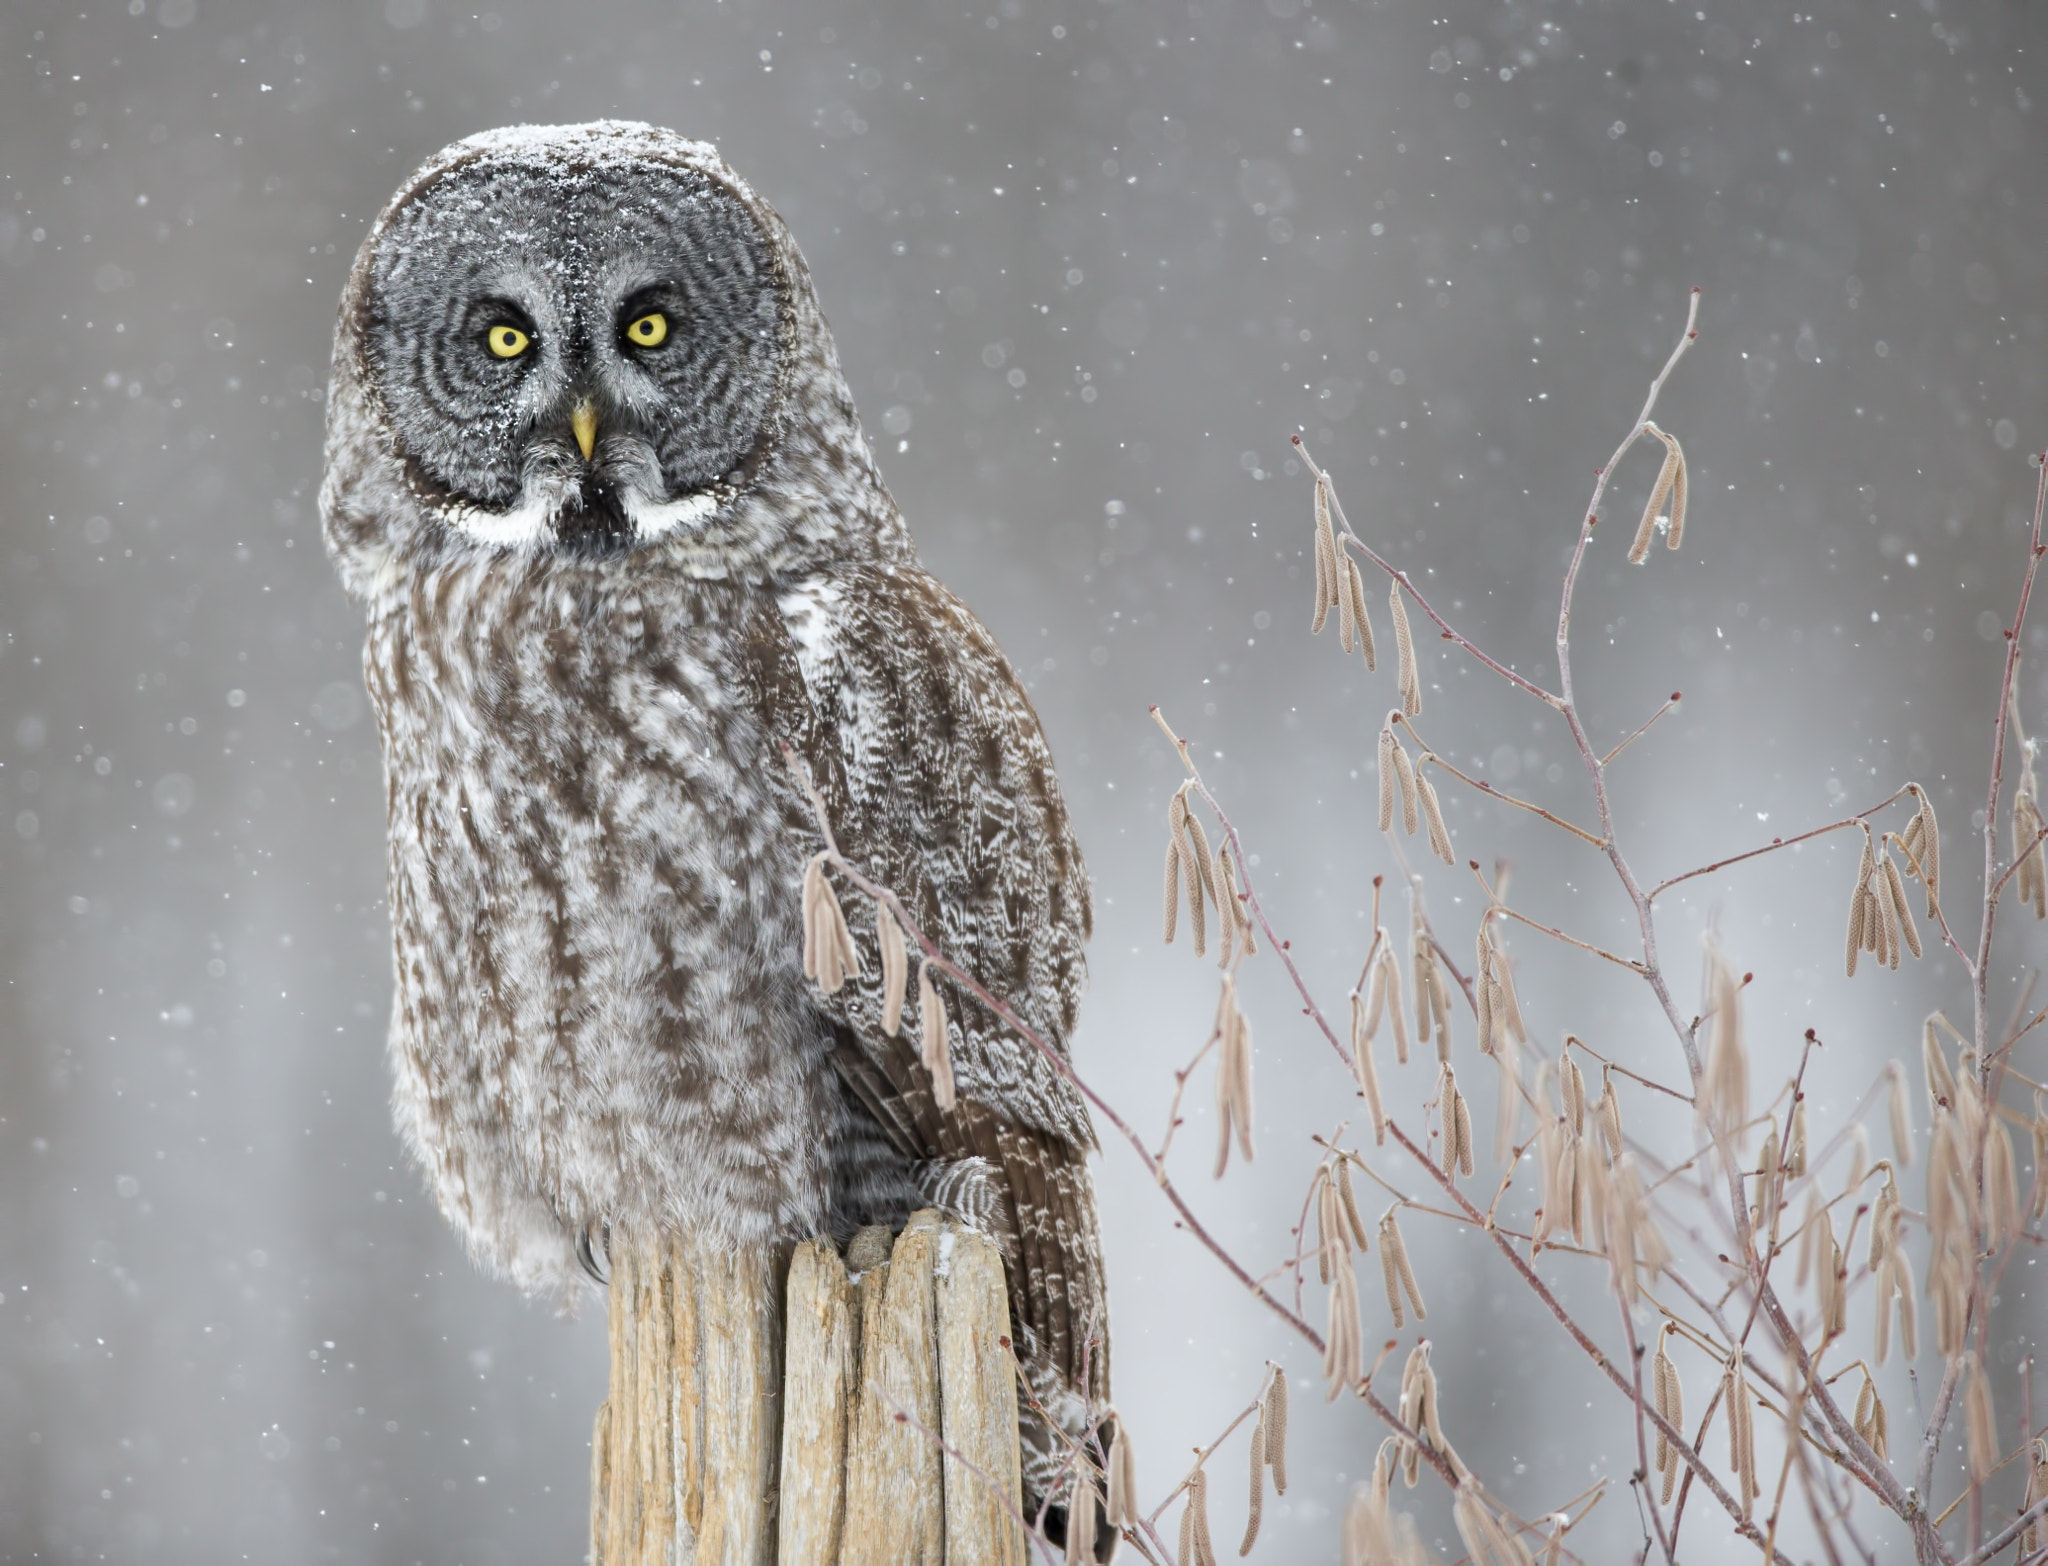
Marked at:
<point>572,340</point>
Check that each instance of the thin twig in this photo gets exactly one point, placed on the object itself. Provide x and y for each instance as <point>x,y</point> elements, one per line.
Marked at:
<point>1643,729</point>
<point>1491,792</point>
<point>1777,843</point>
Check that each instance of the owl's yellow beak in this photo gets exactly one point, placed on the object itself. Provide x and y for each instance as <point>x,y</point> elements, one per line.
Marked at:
<point>584,422</point>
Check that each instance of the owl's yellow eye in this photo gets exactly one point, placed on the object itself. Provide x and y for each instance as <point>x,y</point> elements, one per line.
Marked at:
<point>650,331</point>
<point>507,342</point>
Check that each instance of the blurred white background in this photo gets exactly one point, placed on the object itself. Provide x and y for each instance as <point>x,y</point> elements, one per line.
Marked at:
<point>1090,264</point>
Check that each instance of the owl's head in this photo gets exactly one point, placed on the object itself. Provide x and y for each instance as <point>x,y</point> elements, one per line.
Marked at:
<point>576,341</point>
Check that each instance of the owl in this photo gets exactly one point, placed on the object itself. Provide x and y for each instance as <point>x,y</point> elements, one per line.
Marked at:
<point>594,472</point>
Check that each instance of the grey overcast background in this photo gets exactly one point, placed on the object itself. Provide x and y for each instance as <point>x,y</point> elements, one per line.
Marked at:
<point>1090,264</point>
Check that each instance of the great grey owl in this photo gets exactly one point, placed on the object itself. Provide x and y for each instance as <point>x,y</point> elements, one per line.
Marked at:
<point>595,474</point>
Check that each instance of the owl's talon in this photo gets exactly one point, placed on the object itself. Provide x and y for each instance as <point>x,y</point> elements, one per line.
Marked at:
<point>589,1261</point>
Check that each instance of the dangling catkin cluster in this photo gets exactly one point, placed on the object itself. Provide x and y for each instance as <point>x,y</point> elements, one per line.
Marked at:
<point>1769,1185</point>
<point>1432,992</point>
<point>1268,1451</point>
<point>1338,584</point>
<point>1233,1077</point>
<point>2029,853</point>
<point>1382,999</point>
<point>2031,879</point>
<point>1956,1211</point>
<point>1635,1245</point>
<point>1374,1533</point>
<point>1236,922</point>
<point>935,1050</point>
<point>1082,1513</point>
<point>1211,881</point>
<point>895,967</point>
<point>1724,1090</point>
<point>1456,1117</point>
<point>1573,1175</point>
<point>1922,847</point>
<point>1400,1275</point>
<point>2036,1534</point>
<point>1891,1271</point>
<point>1488,1540</point>
<point>1669,1397</point>
<point>1419,1411</point>
<point>1196,1547</point>
<point>829,954</point>
<point>2039,1209</point>
<point>1879,919</point>
<point>1869,1420</point>
<point>1493,988</point>
<point>1739,1411</point>
<point>1409,678</point>
<point>1670,483</point>
<point>1122,1508</point>
<point>1338,1228</point>
<point>1396,771</point>
<point>1980,1427</point>
<point>1187,855</point>
<point>1591,1187</point>
<point>1899,1106</point>
<point>1419,803</point>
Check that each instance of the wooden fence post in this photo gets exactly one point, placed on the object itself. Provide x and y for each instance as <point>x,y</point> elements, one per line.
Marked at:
<point>683,1455</point>
<point>718,1448</point>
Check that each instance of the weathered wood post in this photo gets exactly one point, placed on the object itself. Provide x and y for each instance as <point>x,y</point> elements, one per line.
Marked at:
<point>753,1415</point>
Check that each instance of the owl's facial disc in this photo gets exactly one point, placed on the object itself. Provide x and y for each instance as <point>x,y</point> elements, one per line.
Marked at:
<point>574,358</point>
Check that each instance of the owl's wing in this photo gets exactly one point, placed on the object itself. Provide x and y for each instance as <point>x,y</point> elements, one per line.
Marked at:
<point>939,785</point>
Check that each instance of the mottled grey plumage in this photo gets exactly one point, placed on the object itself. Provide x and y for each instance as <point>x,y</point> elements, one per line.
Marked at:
<point>584,670</point>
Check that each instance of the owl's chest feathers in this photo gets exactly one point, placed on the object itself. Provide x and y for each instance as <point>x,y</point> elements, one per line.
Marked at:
<point>583,818</point>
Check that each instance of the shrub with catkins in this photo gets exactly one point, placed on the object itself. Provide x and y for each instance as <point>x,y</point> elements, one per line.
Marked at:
<point>1694,1233</point>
